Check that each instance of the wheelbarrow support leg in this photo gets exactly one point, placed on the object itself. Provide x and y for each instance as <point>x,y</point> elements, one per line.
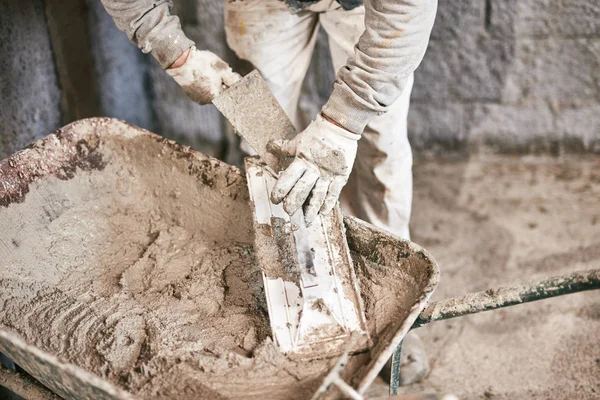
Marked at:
<point>395,372</point>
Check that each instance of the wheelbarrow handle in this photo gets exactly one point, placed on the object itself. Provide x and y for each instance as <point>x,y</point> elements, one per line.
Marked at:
<point>494,298</point>
<point>505,296</point>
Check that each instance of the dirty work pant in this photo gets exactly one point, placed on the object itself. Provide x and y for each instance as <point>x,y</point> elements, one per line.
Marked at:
<point>280,45</point>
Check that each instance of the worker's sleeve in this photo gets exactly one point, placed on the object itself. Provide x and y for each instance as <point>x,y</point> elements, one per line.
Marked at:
<point>150,25</point>
<point>392,46</point>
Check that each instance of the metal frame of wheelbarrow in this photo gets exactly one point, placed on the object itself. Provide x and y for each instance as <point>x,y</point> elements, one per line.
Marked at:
<point>499,297</point>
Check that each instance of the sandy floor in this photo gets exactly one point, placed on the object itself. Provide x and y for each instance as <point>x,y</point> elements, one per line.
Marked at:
<point>501,222</point>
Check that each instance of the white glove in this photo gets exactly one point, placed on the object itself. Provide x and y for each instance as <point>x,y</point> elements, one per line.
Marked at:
<point>324,155</point>
<point>203,76</point>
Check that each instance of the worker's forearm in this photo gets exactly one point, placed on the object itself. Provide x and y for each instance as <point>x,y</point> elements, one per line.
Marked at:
<point>150,25</point>
<point>392,46</point>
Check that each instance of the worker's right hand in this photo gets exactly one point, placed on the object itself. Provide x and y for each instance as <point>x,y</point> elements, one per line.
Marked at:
<point>203,75</point>
<point>324,155</point>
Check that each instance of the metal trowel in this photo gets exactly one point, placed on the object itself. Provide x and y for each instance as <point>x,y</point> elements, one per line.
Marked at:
<point>310,285</point>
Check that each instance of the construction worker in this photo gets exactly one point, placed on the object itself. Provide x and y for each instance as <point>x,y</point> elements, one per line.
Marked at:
<point>362,128</point>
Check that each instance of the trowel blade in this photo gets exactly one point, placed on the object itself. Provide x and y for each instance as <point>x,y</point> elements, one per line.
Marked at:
<point>256,116</point>
<point>312,292</point>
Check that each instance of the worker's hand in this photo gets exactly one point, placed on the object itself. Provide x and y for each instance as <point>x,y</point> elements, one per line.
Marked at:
<point>203,75</point>
<point>324,155</point>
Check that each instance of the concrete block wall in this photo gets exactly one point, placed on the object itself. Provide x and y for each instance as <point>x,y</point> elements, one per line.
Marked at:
<point>510,76</point>
<point>499,76</point>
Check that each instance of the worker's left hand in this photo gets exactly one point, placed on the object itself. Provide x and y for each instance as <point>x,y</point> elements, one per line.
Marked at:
<point>324,155</point>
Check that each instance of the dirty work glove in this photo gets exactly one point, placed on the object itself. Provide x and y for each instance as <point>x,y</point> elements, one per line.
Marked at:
<point>203,76</point>
<point>324,155</point>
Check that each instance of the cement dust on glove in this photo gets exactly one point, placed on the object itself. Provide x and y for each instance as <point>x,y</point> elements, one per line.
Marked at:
<point>203,76</point>
<point>324,155</point>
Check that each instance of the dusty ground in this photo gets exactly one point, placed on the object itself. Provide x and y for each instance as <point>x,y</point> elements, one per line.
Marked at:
<point>501,222</point>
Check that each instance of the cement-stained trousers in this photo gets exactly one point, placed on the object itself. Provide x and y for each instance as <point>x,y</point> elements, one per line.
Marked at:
<point>280,44</point>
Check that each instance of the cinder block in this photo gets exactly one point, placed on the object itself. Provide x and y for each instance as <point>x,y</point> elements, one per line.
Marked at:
<point>501,18</point>
<point>553,18</point>
<point>437,129</point>
<point>472,69</point>
<point>561,71</point>
<point>515,129</point>
<point>507,75</point>
<point>458,19</point>
<point>30,102</point>
<point>580,128</point>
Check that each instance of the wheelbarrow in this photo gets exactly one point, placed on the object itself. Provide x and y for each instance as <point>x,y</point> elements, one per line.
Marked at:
<point>54,174</point>
<point>103,165</point>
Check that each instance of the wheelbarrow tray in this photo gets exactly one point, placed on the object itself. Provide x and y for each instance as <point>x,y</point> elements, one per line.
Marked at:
<point>212,200</point>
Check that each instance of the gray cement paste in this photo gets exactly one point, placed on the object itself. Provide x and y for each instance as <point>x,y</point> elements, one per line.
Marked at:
<point>150,282</point>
